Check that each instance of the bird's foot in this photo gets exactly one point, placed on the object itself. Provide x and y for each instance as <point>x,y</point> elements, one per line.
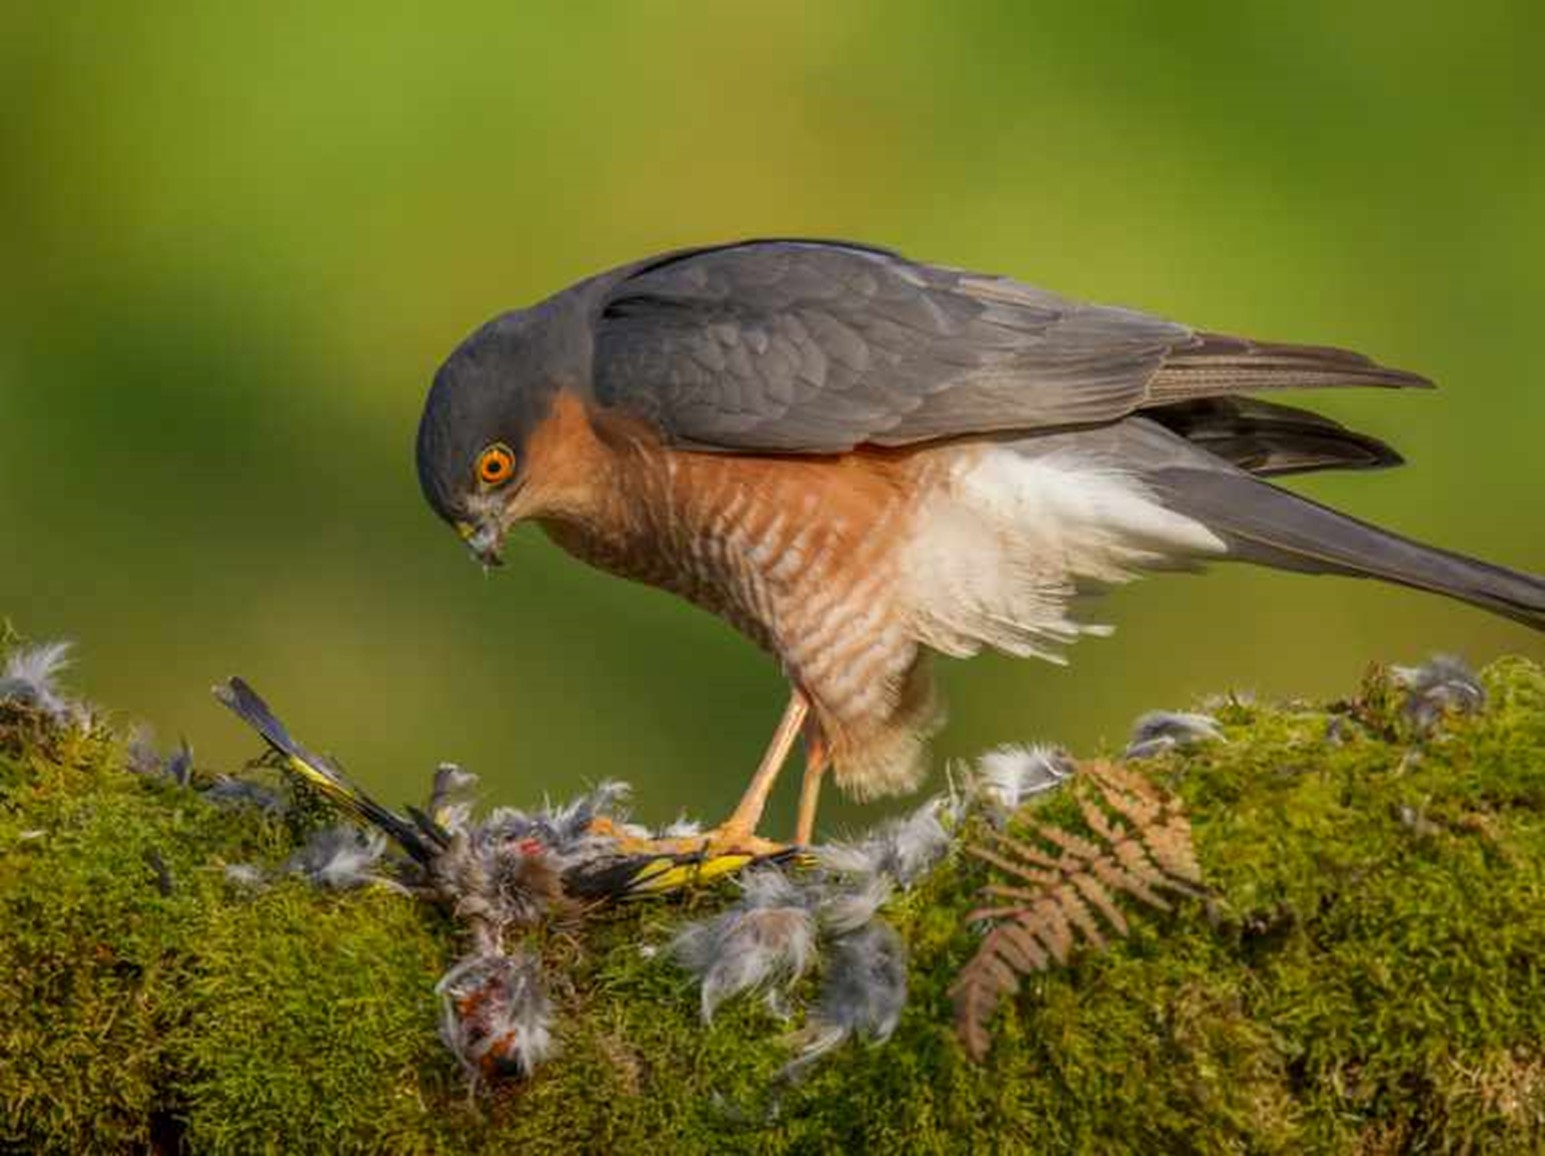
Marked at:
<point>733,839</point>
<point>662,865</point>
<point>728,838</point>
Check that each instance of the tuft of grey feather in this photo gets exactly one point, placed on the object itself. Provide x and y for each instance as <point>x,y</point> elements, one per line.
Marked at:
<point>1161,731</point>
<point>1442,685</point>
<point>143,756</point>
<point>232,792</point>
<point>765,942</point>
<point>449,804</point>
<point>1007,776</point>
<point>146,759</point>
<point>341,858</point>
<point>681,828</point>
<point>904,849</point>
<point>31,678</point>
<point>179,764</point>
<point>845,910</point>
<point>569,825</point>
<point>862,995</point>
<point>495,1015</point>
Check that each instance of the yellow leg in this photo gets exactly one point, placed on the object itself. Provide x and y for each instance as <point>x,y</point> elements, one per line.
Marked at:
<point>683,862</point>
<point>816,762</point>
<point>738,832</point>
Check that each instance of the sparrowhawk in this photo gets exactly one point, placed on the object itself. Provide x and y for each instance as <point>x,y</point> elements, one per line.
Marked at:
<point>857,459</point>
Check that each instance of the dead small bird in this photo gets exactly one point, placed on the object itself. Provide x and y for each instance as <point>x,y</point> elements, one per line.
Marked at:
<point>510,867</point>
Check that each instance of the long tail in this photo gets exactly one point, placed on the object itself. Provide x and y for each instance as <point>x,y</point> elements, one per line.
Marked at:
<point>1261,523</point>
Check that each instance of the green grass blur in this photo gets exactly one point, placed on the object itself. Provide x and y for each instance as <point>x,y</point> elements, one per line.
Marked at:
<point>235,241</point>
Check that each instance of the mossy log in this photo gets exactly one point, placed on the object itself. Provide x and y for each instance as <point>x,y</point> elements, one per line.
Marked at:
<point>1365,975</point>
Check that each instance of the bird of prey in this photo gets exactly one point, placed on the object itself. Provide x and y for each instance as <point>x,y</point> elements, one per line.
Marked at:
<point>858,459</point>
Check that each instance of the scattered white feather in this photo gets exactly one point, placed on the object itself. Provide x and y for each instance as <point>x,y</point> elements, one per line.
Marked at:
<point>31,675</point>
<point>681,828</point>
<point>1009,775</point>
<point>341,858</point>
<point>245,875</point>
<point>144,757</point>
<point>450,803</point>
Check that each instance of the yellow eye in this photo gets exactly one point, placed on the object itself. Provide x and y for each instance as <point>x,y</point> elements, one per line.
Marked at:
<point>495,465</point>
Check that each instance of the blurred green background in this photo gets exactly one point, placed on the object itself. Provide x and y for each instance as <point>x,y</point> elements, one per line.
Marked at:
<point>236,239</point>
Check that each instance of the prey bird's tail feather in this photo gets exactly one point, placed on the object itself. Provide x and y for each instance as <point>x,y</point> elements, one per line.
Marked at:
<point>1263,524</point>
<point>320,772</point>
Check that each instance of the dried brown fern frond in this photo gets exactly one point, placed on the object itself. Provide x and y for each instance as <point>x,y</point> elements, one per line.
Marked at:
<point>1064,887</point>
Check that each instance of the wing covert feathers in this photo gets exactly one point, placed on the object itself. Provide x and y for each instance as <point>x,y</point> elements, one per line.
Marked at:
<point>818,347</point>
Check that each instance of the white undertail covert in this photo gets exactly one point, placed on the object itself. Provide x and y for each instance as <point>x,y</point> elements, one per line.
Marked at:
<point>1002,546</point>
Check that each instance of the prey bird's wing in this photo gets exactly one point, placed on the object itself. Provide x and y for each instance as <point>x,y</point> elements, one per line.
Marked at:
<point>320,772</point>
<point>817,347</point>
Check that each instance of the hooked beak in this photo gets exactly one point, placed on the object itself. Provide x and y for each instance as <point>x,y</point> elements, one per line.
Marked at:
<point>485,539</point>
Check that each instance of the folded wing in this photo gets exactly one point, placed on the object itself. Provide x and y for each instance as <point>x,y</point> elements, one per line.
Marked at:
<point>816,347</point>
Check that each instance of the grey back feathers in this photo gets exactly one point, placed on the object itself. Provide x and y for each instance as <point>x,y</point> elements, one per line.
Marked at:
<point>813,347</point>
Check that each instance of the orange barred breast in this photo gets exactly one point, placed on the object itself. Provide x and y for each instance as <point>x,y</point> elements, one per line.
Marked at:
<point>798,553</point>
<point>801,554</point>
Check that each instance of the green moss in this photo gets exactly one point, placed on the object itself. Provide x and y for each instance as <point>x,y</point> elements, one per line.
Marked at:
<point>1366,977</point>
